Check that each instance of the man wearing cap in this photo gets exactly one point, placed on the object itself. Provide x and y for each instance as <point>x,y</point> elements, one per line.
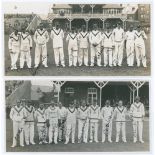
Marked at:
<point>71,116</point>
<point>57,35</point>
<point>14,48</point>
<point>26,47</point>
<point>29,123</point>
<point>83,122</point>
<point>94,116</point>
<point>119,115</point>
<point>140,36</point>
<point>53,116</point>
<point>106,115</point>
<point>17,115</point>
<point>129,37</point>
<point>108,46</point>
<point>118,35</point>
<point>95,38</point>
<point>83,46</point>
<point>41,119</point>
<point>41,38</point>
<point>137,113</point>
<point>72,39</point>
<point>62,121</point>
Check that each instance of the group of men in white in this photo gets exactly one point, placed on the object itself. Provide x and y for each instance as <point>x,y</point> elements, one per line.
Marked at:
<point>58,123</point>
<point>109,43</point>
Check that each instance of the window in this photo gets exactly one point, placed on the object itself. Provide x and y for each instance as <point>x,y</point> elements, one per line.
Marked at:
<point>92,94</point>
<point>69,90</point>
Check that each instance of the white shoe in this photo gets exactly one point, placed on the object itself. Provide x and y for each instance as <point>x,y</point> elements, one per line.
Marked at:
<point>63,65</point>
<point>92,65</point>
<point>141,141</point>
<point>35,66</point>
<point>55,142</point>
<point>45,142</point>
<point>86,65</point>
<point>40,142</point>
<point>80,65</point>
<point>13,146</point>
<point>96,141</point>
<point>90,141</point>
<point>110,141</point>
<point>22,145</point>
<point>27,144</point>
<point>73,142</point>
<point>117,141</point>
<point>33,143</point>
<point>66,143</point>
<point>124,140</point>
<point>99,65</point>
<point>15,68</point>
<point>145,66</point>
<point>103,141</point>
<point>105,65</point>
<point>135,140</point>
<point>45,66</point>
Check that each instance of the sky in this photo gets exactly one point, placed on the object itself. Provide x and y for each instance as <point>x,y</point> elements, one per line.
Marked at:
<point>41,82</point>
<point>27,7</point>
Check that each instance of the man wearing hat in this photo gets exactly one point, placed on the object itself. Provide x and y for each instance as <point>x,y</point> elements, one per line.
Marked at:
<point>118,35</point>
<point>29,123</point>
<point>95,38</point>
<point>94,116</point>
<point>57,35</point>
<point>140,36</point>
<point>53,116</point>
<point>41,119</point>
<point>62,121</point>
<point>106,115</point>
<point>71,116</point>
<point>83,46</point>
<point>26,47</point>
<point>129,37</point>
<point>14,48</point>
<point>83,122</point>
<point>41,38</point>
<point>17,115</point>
<point>137,113</point>
<point>108,45</point>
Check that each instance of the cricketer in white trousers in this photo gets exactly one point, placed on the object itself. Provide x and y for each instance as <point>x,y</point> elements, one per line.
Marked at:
<point>94,116</point>
<point>57,36</point>
<point>41,37</point>
<point>53,115</point>
<point>29,125</point>
<point>130,46</point>
<point>26,44</point>
<point>40,116</point>
<point>83,38</point>
<point>118,35</point>
<point>62,124</point>
<point>17,115</point>
<point>72,39</point>
<point>95,37</point>
<point>83,123</point>
<point>137,112</point>
<point>140,47</point>
<point>108,43</point>
<point>14,48</point>
<point>120,114</point>
<point>106,115</point>
<point>71,116</point>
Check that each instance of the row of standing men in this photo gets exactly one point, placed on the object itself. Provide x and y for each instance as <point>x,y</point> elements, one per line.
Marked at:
<point>60,122</point>
<point>109,43</point>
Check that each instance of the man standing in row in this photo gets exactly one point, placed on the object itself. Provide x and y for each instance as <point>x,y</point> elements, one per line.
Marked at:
<point>57,35</point>
<point>41,38</point>
<point>14,48</point>
<point>95,38</point>
<point>118,34</point>
<point>83,38</point>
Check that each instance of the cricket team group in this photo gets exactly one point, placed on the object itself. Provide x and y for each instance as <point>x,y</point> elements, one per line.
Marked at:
<point>57,123</point>
<point>108,43</point>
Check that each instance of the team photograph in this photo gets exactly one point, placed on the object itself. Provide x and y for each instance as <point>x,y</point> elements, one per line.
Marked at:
<point>77,39</point>
<point>77,116</point>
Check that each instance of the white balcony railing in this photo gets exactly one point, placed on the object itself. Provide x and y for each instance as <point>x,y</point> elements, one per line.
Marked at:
<point>86,16</point>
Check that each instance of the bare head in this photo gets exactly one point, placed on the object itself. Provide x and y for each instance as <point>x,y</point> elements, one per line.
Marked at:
<point>120,103</point>
<point>107,103</point>
<point>18,103</point>
<point>83,103</point>
<point>137,99</point>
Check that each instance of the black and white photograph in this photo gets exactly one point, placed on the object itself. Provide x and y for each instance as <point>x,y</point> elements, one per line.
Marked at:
<point>77,116</point>
<point>45,39</point>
